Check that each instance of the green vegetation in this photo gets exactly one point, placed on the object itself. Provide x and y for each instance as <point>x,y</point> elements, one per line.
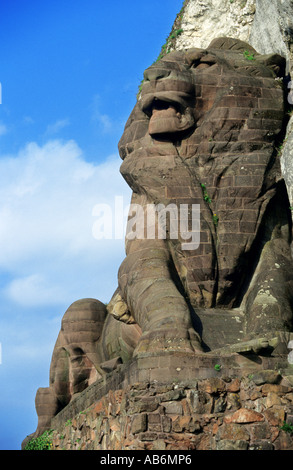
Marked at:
<point>248,55</point>
<point>279,148</point>
<point>205,194</point>
<point>208,200</point>
<point>287,428</point>
<point>215,219</point>
<point>140,88</point>
<point>166,48</point>
<point>43,442</point>
<point>218,367</point>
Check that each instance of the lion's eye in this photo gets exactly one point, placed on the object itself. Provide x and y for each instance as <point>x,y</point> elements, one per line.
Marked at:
<point>203,62</point>
<point>202,66</point>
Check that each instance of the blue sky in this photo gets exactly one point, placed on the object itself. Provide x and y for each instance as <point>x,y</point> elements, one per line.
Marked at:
<point>69,72</point>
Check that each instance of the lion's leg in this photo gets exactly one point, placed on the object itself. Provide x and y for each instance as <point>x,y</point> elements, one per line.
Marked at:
<point>268,303</point>
<point>156,304</point>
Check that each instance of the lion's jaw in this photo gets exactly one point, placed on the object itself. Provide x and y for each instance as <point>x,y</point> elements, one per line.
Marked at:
<point>166,119</point>
<point>167,98</point>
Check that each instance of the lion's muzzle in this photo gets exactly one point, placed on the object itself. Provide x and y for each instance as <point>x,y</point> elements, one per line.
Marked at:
<point>167,98</point>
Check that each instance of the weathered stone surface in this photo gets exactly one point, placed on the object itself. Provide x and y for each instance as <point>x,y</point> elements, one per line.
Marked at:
<point>244,415</point>
<point>278,389</point>
<point>233,432</point>
<point>275,416</point>
<point>233,386</point>
<point>233,401</point>
<point>212,385</point>
<point>139,423</point>
<point>173,408</point>
<point>101,427</point>
<point>266,376</point>
<point>261,431</point>
<point>226,444</point>
<point>273,399</point>
<point>262,445</point>
<point>283,442</point>
<point>272,28</point>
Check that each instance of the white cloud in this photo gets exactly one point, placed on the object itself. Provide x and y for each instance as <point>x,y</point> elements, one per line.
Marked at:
<point>47,195</point>
<point>28,120</point>
<point>3,129</point>
<point>103,119</point>
<point>57,126</point>
<point>34,290</point>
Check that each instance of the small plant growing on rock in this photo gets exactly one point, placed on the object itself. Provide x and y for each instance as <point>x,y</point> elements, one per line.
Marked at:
<point>43,442</point>
<point>176,33</point>
<point>248,55</point>
<point>287,427</point>
<point>205,194</point>
<point>215,219</point>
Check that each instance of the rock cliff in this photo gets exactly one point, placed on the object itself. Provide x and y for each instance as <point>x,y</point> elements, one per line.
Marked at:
<point>267,26</point>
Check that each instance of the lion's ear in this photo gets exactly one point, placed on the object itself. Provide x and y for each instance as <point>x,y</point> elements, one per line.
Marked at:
<point>275,62</point>
<point>231,44</point>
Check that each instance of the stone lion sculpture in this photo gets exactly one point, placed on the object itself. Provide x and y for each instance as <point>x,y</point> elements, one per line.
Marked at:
<point>204,133</point>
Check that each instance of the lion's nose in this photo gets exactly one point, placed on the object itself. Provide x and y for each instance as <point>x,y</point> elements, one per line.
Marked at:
<point>155,73</point>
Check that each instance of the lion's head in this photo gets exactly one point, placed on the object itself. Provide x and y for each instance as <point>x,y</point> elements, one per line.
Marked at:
<point>180,91</point>
<point>204,131</point>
